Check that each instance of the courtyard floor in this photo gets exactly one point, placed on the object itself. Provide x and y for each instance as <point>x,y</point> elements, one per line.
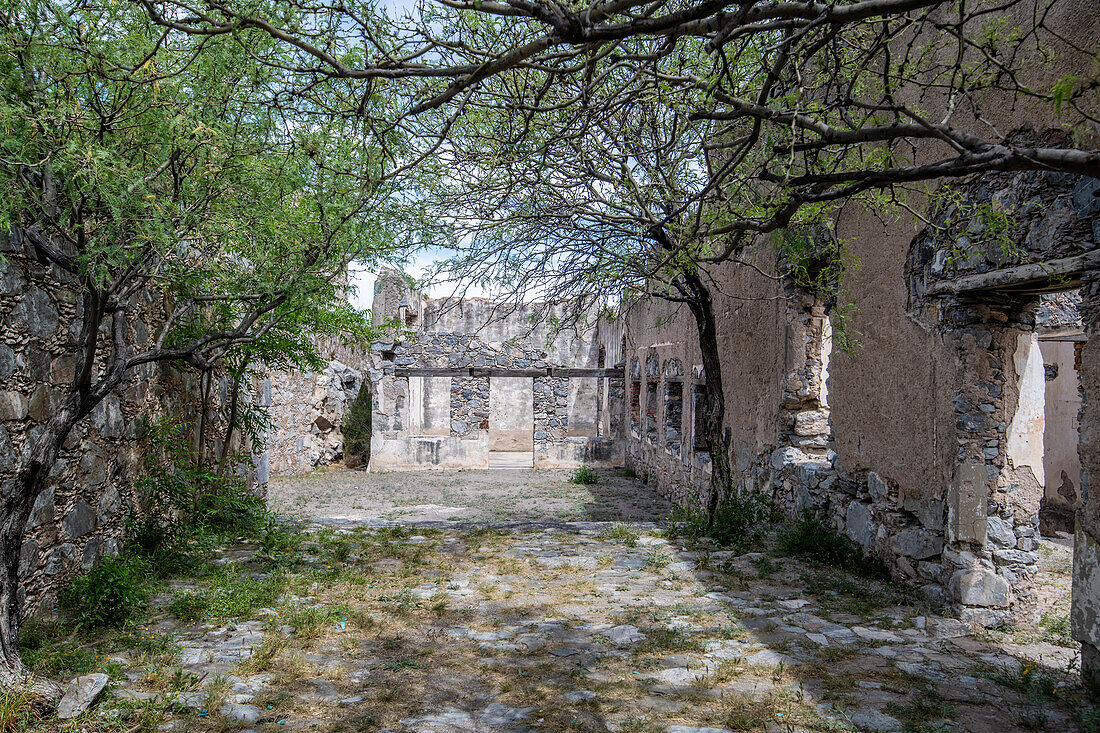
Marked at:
<point>516,601</point>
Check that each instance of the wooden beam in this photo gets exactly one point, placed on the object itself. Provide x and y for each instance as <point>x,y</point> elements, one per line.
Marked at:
<point>1067,268</point>
<point>584,372</point>
<point>568,372</point>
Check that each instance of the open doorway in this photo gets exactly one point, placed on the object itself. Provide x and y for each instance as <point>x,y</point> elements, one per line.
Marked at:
<point>1043,454</point>
<point>511,422</point>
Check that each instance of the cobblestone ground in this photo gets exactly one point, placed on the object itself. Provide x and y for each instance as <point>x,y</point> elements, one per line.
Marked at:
<point>532,624</point>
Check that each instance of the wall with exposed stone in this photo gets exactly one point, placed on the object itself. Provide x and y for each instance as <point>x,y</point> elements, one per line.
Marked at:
<point>926,443</point>
<point>81,515</point>
<point>559,414</point>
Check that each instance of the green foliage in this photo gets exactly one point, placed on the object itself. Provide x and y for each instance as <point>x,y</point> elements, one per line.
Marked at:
<point>970,229</point>
<point>740,521</point>
<point>356,427</point>
<point>620,532</point>
<point>822,545</point>
<point>48,652</point>
<point>585,475</point>
<point>185,503</point>
<point>228,593</point>
<point>108,595</point>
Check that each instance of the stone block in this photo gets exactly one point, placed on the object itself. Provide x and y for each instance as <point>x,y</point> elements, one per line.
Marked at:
<point>811,422</point>
<point>859,525</point>
<point>917,543</point>
<point>7,452</point>
<point>8,361</point>
<point>966,499</point>
<point>13,406</point>
<point>107,417</point>
<point>1014,557</point>
<point>109,504</point>
<point>37,311</point>
<point>80,520</point>
<point>877,487</point>
<point>1085,605</point>
<point>999,532</point>
<point>44,509</point>
<point>977,587</point>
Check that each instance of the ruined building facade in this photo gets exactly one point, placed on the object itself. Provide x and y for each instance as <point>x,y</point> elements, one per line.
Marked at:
<point>943,414</point>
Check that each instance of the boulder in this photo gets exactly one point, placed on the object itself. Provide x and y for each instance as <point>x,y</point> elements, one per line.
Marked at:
<point>80,693</point>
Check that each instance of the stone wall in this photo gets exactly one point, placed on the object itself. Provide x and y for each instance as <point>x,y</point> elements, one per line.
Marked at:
<point>491,336</point>
<point>82,515</point>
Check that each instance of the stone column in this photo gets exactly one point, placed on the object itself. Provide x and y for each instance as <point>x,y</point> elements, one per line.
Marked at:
<point>991,514</point>
<point>1085,614</point>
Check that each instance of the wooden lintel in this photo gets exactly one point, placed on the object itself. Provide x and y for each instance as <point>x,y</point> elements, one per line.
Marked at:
<point>500,372</point>
<point>584,372</point>
<point>1065,269</point>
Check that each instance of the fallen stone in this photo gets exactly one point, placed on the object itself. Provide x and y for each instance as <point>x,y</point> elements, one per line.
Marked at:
<point>875,720</point>
<point>80,693</point>
<point>770,658</point>
<point>576,696</point>
<point>624,635</point>
<point>237,713</point>
<point>498,714</point>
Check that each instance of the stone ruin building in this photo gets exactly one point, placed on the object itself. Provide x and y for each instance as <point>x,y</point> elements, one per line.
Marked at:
<point>468,384</point>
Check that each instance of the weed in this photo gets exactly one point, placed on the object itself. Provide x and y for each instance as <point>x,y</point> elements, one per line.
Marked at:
<point>657,558</point>
<point>109,594</point>
<point>739,521</point>
<point>764,565</point>
<point>822,545</point>
<point>626,473</point>
<point>15,709</point>
<point>621,532</point>
<point>1056,629</point>
<point>309,623</point>
<point>399,665</point>
<point>924,712</point>
<point>843,591</point>
<point>229,593</point>
<point>48,652</point>
<point>584,475</point>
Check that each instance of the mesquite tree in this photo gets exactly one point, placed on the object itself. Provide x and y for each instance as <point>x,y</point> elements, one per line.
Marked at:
<point>141,165</point>
<point>789,106</point>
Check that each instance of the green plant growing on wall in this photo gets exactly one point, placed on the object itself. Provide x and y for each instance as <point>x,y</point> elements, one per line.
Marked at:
<point>988,228</point>
<point>817,264</point>
<point>356,427</point>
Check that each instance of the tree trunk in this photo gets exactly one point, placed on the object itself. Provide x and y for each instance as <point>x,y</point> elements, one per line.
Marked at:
<point>15,509</point>
<point>713,403</point>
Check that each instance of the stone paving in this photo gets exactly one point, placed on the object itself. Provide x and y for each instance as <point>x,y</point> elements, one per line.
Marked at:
<point>546,625</point>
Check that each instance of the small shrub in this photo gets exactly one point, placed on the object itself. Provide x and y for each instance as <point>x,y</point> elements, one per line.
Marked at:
<point>809,538</point>
<point>584,475</point>
<point>356,428</point>
<point>108,595</point>
<point>627,472</point>
<point>740,521</point>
